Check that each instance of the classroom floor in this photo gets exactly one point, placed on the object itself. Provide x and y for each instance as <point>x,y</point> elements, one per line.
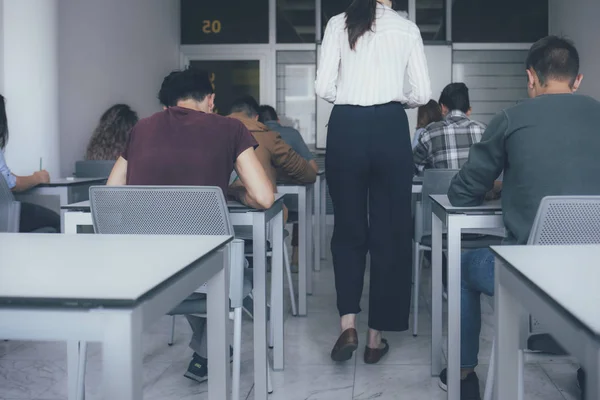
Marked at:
<point>37,370</point>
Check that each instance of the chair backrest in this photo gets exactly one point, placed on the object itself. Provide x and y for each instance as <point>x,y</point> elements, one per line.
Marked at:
<point>10,209</point>
<point>160,210</point>
<point>94,168</point>
<point>435,181</point>
<point>563,220</point>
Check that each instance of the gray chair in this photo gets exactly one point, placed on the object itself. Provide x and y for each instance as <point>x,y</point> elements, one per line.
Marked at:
<point>560,220</point>
<point>94,168</point>
<point>436,181</point>
<point>171,210</point>
<point>10,209</point>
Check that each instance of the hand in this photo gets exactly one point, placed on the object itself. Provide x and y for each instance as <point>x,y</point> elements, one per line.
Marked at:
<point>41,176</point>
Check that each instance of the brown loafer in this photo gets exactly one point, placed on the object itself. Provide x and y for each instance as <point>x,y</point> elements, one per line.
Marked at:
<point>373,356</point>
<point>346,344</point>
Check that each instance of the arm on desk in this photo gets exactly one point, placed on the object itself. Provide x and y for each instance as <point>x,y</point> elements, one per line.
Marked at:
<point>254,188</point>
<point>291,163</point>
<point>118,175</point>
<point>485,163</point>
<point>27,182</point>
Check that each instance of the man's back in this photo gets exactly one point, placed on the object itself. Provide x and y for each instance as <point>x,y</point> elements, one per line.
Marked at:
<point>446,144</point>
<point>552,148</point>
<point>180,146</point>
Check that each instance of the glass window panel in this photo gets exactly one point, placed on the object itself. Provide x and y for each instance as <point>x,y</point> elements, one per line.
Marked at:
<point>431,19</point>
<point>296,101</point>
<point>296,21</point>
<point>329,8</point>
<point>224,22</point>
<point>231,80</point>
<point>493,21</point>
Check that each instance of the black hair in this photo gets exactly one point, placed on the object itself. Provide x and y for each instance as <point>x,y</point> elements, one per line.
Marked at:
<point>554,58</point>
<point>191,83</point>
<point>266,114</point>
<point>360,17</point>
<point>455,96</point>
<point>428,113</point>
<point>247,105</point>
<point>3,124</point>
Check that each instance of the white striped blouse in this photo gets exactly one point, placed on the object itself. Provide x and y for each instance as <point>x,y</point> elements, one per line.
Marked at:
<point>387,65</point>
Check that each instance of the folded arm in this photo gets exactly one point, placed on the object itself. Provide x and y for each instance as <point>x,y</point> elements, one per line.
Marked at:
<point>486,161</point>
<point>291,163</point>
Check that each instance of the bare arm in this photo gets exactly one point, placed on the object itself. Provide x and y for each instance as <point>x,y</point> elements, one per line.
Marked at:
<point>118,175</point>
<point>27,182</point>
<point>257,190</point>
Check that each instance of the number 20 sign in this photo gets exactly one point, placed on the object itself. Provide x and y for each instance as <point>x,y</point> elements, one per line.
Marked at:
<point>209,26</point>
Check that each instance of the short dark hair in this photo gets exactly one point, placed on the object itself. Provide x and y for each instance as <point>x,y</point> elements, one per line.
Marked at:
<point>191,83</point>
<point>247,105</point>
<point>554,58</point>
<point>455,96</point>
<point>428,113</point>
<point>3,124</point>
<point>266,114</point>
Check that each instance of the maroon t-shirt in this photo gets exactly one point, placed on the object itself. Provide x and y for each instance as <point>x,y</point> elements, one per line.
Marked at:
<point>185,147</point>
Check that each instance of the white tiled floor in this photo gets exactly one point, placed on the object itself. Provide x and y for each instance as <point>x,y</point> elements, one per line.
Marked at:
<point>37,371</point>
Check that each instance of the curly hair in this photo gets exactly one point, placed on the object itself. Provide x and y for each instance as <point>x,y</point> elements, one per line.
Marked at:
<point>110,136</point>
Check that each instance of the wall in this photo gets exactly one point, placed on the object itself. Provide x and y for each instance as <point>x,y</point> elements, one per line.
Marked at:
<point>578,20</point>
<point>111,51</point>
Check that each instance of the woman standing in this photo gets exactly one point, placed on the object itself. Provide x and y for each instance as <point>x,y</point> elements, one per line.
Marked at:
<point>368,55</point>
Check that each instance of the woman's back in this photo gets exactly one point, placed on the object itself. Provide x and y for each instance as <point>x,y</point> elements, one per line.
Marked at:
<point>374,71</point>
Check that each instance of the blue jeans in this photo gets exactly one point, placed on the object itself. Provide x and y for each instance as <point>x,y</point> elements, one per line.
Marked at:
<point>477,277</point>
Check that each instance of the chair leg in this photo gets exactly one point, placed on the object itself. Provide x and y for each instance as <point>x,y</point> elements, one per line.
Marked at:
<point>416,286</point>
<point>288,272</point>
<point>489,382</point>
<point>270,321</point>
<point>269,382</point>
<point>237,350</point>
<point>172,338</point>
<point>81,371</point>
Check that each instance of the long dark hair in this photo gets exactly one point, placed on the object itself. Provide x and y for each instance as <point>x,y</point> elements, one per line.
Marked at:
<point>110,137</point>
<point>360,17</point>
<point>3,124</point>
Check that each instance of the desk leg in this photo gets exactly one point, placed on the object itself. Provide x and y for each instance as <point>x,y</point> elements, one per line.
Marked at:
<point>219,382</point>
<point>64,200</point>
<point>277,288</point>
<point>310,239</point>
<point>317,224</point>
<point>302,252</point>
<point>122,353</point>
<point>73,368</point>
<point>323,213</point>
<point>592,383</point>
<point>507,327</point>
<point>454,273</point>
<point>260,305</point>
<point>436,295</point>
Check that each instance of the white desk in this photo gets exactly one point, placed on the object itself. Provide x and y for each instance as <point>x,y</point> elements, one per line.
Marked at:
<point>306,234</point>
<point>60,192</point>
<point>559,285</point>
<point>78,214</point>
<point>123,285</point>
<point>456,219</point>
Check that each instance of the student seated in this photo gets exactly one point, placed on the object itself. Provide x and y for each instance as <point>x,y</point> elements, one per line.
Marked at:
<point>427,114</point>
<point>186,144</point>
<point>269,117</point>
<point>110,136</point>
<point>547,145</point>
<point>276,156</point>
<point>446,144</point>
<point>33,217</point>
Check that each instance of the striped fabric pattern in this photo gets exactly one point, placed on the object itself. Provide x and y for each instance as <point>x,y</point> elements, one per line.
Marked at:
<point>446,144</point>
<point>387,65</point>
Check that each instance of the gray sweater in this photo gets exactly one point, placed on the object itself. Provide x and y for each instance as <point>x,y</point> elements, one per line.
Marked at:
<point>547,146</point>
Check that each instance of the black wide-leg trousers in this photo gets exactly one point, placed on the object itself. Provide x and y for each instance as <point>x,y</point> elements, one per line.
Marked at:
<point>369,171</point>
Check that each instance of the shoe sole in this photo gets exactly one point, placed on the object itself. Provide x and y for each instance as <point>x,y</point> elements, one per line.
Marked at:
<point>344,353</point>
<point>195,378</point>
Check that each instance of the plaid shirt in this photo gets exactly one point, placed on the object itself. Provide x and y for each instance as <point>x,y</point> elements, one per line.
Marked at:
<point>446,144</point>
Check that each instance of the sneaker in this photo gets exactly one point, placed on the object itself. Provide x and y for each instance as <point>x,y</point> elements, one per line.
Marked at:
<point>198,369</point>
<point>581,381</point>
<point>469,387</point>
